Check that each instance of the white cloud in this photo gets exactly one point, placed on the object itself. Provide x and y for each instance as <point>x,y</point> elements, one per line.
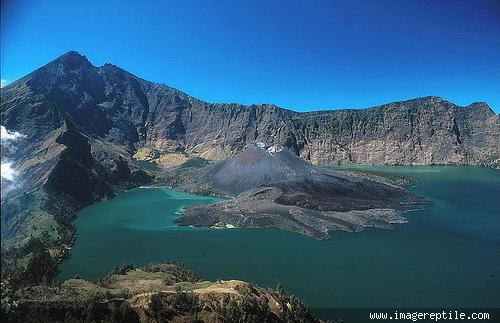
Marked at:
<point>8,173</point>
<point>7,135</point>
<point>4,83</point>
<point>7,140</point>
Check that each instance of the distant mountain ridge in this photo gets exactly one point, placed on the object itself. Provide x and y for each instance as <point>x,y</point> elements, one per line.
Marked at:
<point>109,103</point>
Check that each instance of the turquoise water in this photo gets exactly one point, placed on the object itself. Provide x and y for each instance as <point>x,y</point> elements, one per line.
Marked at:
<point>446,256</point>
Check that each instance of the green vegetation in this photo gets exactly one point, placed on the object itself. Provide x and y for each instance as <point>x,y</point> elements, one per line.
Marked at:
<point>30,255</point>
<point>157,275</point>
<point>177,269</point>
<point>293,309</point>
<point>196,162</point>
<point>148,165</point>
<point>398,179</point>
<point>164,159</point>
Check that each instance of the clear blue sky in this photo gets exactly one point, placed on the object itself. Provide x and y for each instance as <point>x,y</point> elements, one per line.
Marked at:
<point>302,55</point>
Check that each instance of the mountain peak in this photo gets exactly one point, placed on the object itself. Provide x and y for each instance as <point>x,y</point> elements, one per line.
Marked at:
<point>482,106</point>
<point>72,60</point>
<point>72,53</point>
<point>258,165</point>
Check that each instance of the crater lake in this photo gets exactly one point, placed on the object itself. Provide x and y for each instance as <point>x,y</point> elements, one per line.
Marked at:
<point>448,255</point>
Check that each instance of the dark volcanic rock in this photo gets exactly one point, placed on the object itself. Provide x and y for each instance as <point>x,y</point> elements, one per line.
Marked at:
<point>278,189</point>
<point>259,166</point>
<point>262,208</point>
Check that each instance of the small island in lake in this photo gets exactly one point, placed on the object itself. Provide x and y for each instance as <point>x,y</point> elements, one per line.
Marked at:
<point>272,187</point>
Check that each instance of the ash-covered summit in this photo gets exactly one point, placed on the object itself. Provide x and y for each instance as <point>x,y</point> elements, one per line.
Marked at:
<point>258,165</point>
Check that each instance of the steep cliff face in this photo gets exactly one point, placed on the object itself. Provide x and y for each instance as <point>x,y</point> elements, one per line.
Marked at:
<point>115,106</point>
<point>415,132</point>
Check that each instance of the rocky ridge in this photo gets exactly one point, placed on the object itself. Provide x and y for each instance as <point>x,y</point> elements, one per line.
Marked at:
<point>109,103</point>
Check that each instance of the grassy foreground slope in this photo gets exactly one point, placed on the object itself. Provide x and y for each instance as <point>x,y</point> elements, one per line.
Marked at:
<point>153,293</point>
